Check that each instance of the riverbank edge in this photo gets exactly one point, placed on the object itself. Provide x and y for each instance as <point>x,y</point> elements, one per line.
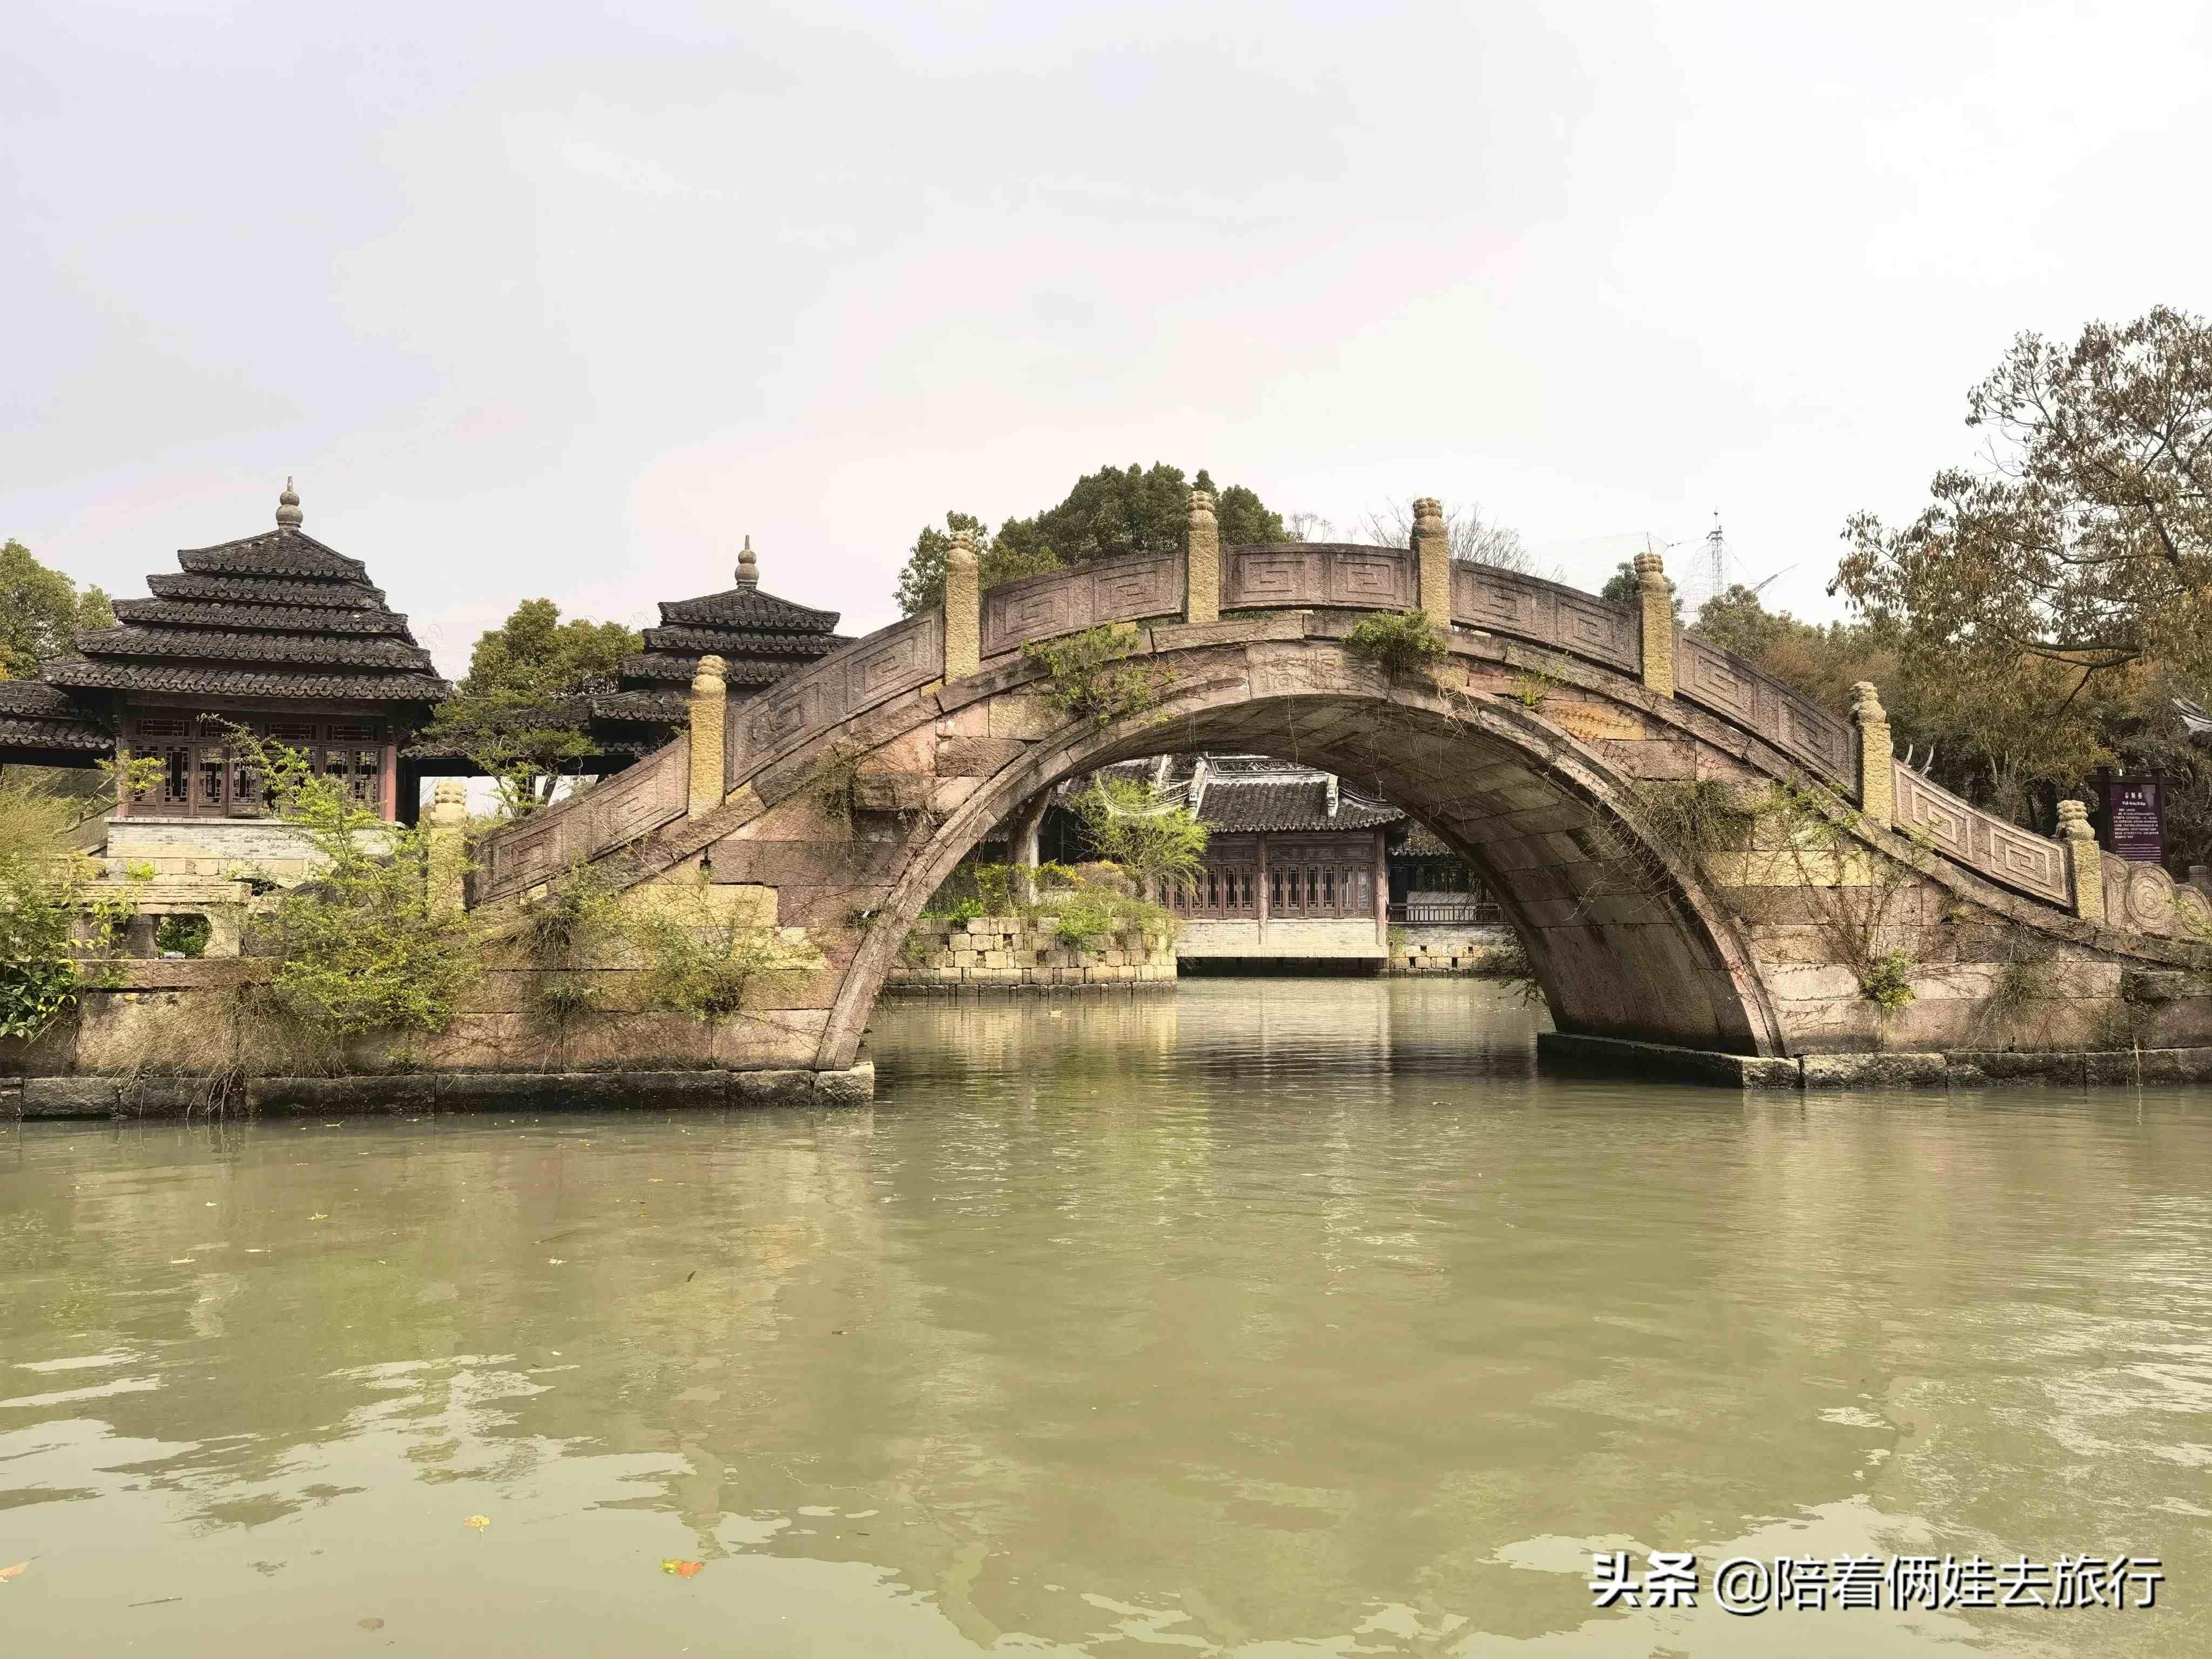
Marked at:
<point>37,1099</point>
<point>1971,1068</point>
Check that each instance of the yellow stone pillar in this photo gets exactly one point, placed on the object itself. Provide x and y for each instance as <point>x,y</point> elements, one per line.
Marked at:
<point>1433,557</point>
<point>964,609</point>
<point>1202,560</point>
<point>710,706</point>
<point>1877,759</point>
<point>446,830</point>
<point>2085,860</point>
<point>1656,622</point>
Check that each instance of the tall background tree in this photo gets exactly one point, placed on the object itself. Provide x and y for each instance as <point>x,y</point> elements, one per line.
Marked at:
<point>2086,538</point>
<point>40,610</point>
<point>2048,604</point>
<point>1473,538</point>
<point>519,715</point>
<point>1108,513</point>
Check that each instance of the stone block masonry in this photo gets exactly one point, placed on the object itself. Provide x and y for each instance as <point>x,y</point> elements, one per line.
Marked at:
<point>1012,953</point>
<point>178,1038</point>
<point>1446,948</point>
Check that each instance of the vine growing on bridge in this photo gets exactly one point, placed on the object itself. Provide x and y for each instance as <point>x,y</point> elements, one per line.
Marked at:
<point>1398,642</point>
<point>1091,677</point>
<point>1777,854</point>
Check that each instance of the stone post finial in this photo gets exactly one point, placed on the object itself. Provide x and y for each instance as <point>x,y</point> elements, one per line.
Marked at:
<point>964,607</point>
<point>710,707</point>
<point>2085,859</point>
<point>1877,758</point>
<point>1202,542</point>
<point>1431,541</point>
<point>445,830</point>
<point>748,566</point>
<point>288,516</point>
<point>1655,623</point>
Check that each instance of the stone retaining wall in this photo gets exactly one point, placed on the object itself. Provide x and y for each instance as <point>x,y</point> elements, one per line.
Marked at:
<point>175,1037</point>
<point>1013,952</point>
<point>1441,947</point>
<point>1961,1068</point>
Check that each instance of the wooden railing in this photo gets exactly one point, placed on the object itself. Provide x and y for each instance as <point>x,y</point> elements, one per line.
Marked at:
<point>1472,914</point>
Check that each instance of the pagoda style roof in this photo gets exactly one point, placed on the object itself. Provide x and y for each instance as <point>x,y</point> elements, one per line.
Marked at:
<point>37,719</point>
<point>275,615</point>
<point>759,637</point>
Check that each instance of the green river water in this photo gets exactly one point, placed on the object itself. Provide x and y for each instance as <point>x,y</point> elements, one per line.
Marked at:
<point>1269,1317</point>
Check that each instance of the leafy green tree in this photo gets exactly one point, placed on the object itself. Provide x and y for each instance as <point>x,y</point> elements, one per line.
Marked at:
<point>364,947</point>
<point>1152,838</point>
<point>1108,514</point>
<point>922,583</point>
<point>519,716</point>
<point>57,921</point>
<point>41,611</point>
<point>2086,538</point>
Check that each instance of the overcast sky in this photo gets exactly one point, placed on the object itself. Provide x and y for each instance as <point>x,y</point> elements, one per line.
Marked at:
<point>544,299</point>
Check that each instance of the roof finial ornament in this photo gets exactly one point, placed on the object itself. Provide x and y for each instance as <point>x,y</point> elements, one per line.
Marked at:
<point>748,566</point>
<point>288,516</point>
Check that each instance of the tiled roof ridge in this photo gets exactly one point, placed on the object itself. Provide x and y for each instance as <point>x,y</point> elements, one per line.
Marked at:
<point>667,666</point>
<point>748,607</point>
<point>690,638</point>
<point>1237,805</point>
<point>343,594</point>
<point>268,618</point>
<point>271,552</point>
<point>229,646</point>
<point>195,679</point>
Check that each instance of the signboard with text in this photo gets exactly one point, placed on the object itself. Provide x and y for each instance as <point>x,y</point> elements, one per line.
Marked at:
<point>2134,818</point>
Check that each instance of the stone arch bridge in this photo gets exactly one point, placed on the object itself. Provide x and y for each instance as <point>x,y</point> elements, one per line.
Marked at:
<point>1537,748</point>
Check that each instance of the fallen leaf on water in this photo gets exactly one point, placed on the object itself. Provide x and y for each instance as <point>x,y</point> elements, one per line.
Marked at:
<point>682,1569</point>
<point>479,1522</point>
<point>372,1624</point>
<point>15,1572</point>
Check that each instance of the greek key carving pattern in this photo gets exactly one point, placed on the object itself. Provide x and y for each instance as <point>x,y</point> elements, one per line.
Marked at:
<point>1996,849</point>
<point>640,799</point>
<point>1718,681</point>
<point>1068,601</point>
<point>872,670</point>
<point>1280,575</point>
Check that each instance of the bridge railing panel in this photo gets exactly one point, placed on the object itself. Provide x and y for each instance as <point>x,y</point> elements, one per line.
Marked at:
<point>1984,843</point>
<point>873,668</point>
<point>635,801</point>
<point>1528,607</point>
<point>1068,601</point>
<point>1289,575</point>
<point>1732,688</point>
<point>2143,899</point>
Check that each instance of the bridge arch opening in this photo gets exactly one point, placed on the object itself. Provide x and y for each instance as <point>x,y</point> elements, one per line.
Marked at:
<point>1624,937</point>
